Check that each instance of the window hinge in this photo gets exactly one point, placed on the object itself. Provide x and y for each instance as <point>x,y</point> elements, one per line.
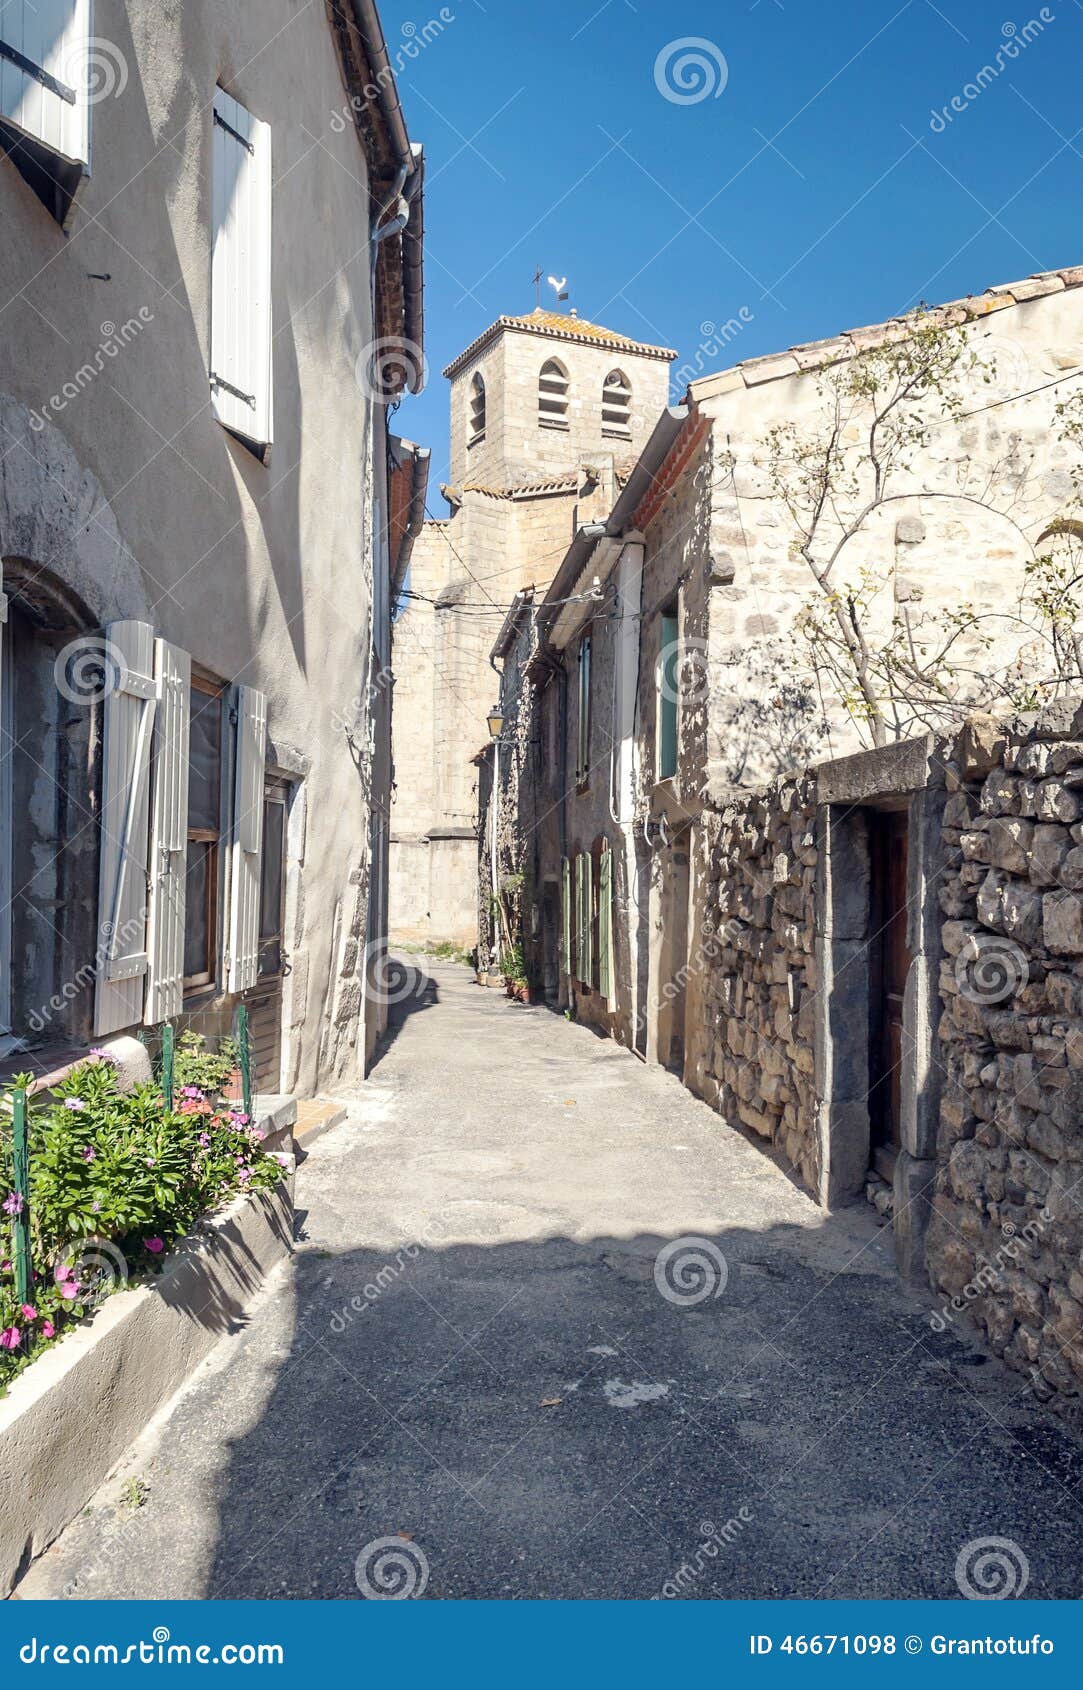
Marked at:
<point>29,68</point>
<point>229,129</point>
<point>238,393</point>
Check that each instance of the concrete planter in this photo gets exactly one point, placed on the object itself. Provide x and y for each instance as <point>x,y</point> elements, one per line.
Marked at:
<point>71,1415</point>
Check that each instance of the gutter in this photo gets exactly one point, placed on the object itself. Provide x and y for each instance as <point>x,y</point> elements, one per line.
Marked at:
<point>407,197</point>
<point>510,625</point>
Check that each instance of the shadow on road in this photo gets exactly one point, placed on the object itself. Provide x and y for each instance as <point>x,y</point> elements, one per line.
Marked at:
<point>580,1419</point>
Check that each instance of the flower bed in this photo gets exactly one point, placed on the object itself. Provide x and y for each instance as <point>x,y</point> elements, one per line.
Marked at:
<point>115,1178</point>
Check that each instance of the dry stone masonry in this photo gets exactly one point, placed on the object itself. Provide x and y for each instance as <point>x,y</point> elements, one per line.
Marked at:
<point>761,979</point>
<point>1007,1228</point>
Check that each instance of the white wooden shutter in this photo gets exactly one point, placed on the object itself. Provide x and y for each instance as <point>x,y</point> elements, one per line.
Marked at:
<point>129,712</point>
<point>168,835</point>
<point>241,271</point>
<point>44,72</point>
<point>246,846</point>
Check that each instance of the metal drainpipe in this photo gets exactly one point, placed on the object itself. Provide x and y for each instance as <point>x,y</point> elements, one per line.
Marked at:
<point>494,913</point>
<point>563,756</point>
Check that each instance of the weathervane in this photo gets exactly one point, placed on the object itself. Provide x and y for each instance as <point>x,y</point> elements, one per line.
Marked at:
<point>560,283</point>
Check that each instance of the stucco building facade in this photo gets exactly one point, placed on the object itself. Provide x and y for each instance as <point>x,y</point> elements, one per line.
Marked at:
<point>195,524</point>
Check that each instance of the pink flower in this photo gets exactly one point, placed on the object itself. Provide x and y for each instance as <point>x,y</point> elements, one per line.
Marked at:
<point>10,1338</point>
<point>13,1203</point>
<point>150,1161</point>
<point>74,1103</point>
<point>29,1312</point>
<point>154,1245</point>
<point>238,1117</point>
<point>101,1055</point>
<point>63,1272</point>
<point>69,1290</point>
<point>205,1140</point>
<point>89,1153</point>
<point>191,1091</point>
<point>48,1330</point>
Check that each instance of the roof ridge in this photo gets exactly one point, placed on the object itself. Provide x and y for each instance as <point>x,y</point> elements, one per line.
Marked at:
<point>557,327</point>
<point>817,354</point>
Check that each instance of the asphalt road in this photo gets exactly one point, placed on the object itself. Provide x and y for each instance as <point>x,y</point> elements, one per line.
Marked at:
<point>478,1355</point>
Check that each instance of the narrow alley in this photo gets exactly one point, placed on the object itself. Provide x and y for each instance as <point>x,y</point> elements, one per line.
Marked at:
<point>491,1349</point>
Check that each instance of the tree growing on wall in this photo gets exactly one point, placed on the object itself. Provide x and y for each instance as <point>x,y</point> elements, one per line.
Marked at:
<point>896,664</point>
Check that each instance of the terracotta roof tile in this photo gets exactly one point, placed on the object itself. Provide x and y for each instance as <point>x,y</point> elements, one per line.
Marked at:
<point>555,325</point>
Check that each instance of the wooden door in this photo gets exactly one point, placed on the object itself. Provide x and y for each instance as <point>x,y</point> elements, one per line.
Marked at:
<point>890,965</point>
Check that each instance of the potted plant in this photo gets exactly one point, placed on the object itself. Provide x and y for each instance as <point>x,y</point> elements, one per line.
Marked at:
<point>217,1073</point>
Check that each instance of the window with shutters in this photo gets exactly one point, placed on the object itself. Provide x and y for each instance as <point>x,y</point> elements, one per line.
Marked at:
<point>241,328</point>
<point>476,419</point>
<point>204,833</point>
<point>45,94</point>
<point>49,795</point>
<point>582,744</point>
<point>553,395</point>
<point>668,685</point>
<point>617,406</point>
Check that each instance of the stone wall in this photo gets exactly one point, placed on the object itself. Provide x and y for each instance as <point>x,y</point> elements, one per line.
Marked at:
<point>1007,1226</point>
<point>756,955</point>
<point>961,524</point>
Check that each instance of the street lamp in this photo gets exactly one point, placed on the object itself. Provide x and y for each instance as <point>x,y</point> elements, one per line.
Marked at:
<point>496,721</point>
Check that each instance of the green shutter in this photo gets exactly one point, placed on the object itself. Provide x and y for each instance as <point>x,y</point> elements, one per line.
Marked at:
<point>605,923</point>
<point>565,915</point>
<point>586,973</point>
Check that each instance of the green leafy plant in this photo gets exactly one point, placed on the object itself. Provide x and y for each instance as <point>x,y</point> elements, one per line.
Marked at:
<point>195,1065</point>
<point>115,1177</point>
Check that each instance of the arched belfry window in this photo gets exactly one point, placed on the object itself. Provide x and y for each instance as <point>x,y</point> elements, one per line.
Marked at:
<point>476,419</point>
<point>617,405</point>
<point>553,395</point>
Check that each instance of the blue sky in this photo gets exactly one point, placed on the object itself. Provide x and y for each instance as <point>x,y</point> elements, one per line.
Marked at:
<point>816,190</point>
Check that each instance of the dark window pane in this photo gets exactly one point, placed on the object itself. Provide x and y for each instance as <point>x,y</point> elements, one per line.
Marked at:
<point>197,928</point>
<point>270,957</point>
<point>270,908</point>
<point>205,761</point>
